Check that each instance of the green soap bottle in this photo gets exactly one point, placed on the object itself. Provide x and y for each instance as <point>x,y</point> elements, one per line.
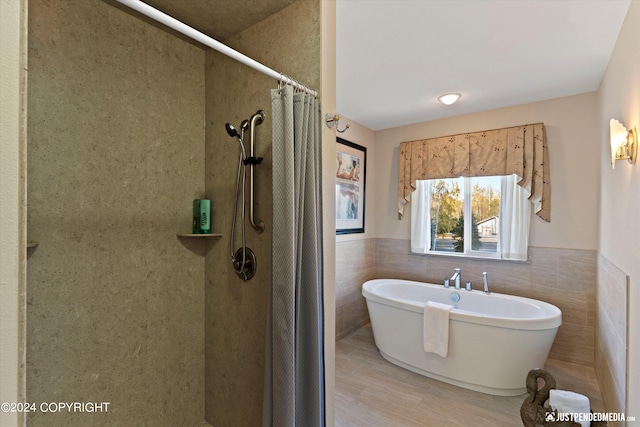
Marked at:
<point>205,216</point>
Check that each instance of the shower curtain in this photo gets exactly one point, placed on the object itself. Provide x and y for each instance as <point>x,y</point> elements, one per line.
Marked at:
<point>294,368</point>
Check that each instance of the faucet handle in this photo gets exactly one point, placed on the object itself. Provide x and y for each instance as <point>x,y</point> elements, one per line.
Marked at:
<point>446,283</point>
<point>485,282</point>
<point>468,286</point>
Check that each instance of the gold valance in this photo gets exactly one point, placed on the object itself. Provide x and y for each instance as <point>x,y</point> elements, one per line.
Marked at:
<point>520,150</point>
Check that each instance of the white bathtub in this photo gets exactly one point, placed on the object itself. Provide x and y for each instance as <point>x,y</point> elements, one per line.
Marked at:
<point>494,340</point>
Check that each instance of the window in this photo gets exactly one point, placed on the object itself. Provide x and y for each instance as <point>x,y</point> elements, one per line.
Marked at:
<point>466,216</point>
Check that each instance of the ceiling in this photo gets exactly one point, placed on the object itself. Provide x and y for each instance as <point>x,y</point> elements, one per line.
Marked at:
<point>395,57</point>
<point>219,19</point>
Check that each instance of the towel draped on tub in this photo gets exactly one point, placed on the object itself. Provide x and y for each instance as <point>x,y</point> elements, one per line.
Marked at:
<point>436,328</point>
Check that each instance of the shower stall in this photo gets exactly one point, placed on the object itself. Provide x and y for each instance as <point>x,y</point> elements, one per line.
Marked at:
<point>126,126</point>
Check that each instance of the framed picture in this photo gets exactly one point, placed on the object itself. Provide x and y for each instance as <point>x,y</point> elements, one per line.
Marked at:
<point>351,162</point>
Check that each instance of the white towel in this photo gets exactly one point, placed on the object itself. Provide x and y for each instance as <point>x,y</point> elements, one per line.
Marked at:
<point>436,328</point>
<point>570,403</point>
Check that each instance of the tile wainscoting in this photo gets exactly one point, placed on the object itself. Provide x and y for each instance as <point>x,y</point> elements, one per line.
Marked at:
<point>563,277</point>
<point>611,334</point>
<point>355,264</point>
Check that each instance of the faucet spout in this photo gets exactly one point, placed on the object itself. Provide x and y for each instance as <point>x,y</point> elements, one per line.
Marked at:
<point>456,277</point>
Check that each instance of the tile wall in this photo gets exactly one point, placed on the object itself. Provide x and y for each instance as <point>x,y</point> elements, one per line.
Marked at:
<point>355,264</point>
<point>115,302</point>
<point>236,311</point>
<point>563,277</point>
<point>611,333</point>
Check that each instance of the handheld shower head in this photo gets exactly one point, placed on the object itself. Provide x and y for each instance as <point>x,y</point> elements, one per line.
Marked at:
<point>231,130</point>
<point>243,127</point>
<point>234,134</point>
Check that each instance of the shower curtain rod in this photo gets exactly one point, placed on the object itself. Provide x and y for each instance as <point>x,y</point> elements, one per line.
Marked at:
<point>196,35</point>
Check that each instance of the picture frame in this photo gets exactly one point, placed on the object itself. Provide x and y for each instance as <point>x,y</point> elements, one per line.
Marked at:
<point>351,165</point>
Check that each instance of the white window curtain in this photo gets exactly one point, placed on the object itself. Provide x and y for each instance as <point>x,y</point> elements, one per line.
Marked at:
<point>515,217</point>
<point>421,218</point>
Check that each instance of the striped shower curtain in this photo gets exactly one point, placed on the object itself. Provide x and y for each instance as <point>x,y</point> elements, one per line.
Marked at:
<point>294,369</point>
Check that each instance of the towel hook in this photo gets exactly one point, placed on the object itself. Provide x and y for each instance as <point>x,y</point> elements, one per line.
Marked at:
<point>332,120</point>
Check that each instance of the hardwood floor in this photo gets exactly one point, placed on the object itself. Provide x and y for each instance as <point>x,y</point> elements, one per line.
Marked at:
<point>371,391</point>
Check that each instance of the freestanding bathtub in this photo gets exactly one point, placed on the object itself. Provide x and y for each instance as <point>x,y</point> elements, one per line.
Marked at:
<point>494,339</point>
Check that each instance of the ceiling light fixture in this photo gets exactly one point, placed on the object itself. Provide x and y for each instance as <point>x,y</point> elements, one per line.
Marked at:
<point>449,98</point>
<point>624,144</point>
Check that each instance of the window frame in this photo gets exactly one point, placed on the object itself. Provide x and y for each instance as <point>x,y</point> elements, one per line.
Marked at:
<point>513,198</point>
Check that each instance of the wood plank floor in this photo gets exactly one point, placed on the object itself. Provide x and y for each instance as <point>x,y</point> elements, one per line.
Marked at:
<point>371,391</point>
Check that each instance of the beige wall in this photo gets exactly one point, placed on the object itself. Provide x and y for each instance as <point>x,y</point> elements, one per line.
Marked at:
<point>116,155</point>
<point>619,98</point>
<point>364,136</point>
<point>236,311</point>
<point>570,237</point>
<point>573,140</point>
<point>12,200</point>
<point>355,253</point>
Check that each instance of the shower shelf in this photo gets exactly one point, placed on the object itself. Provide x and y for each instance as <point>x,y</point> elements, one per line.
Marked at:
<point>32,244</point>
<point>199,244</point>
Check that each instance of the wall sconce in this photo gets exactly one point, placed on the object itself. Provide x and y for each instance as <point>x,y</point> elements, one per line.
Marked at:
<point>624,144</point>
<point>332,120</point>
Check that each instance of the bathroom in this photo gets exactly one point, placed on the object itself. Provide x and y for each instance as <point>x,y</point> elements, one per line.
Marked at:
<point>171,313</point>
<point>584,260</point>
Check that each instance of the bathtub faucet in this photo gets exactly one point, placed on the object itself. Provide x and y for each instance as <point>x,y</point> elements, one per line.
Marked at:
<point>456,277</point>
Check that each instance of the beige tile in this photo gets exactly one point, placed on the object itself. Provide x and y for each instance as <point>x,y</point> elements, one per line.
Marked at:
<point>355,264</point>
<point>577,270</point>
<point>611,333</point>
<point>116,156</point>
<point>236,310</point>
<point>544,266</point>
<point>613,400</point>
<point>574,343</point>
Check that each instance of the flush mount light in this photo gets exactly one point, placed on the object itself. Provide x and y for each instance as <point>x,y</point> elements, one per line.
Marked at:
<point>624,144</point>
<point>449,98</point>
